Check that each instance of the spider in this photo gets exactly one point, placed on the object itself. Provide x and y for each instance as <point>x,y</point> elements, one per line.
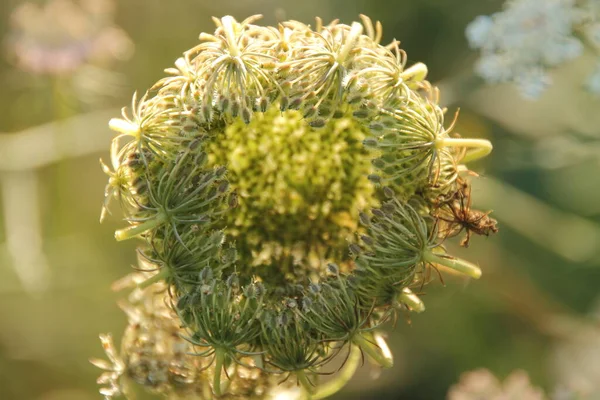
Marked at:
<point>456,215</point>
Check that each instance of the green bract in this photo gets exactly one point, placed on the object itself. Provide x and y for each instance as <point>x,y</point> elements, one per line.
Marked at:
<point>248,173</point>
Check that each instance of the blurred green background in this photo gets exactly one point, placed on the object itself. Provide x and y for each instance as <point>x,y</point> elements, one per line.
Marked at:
<point>541,271</point>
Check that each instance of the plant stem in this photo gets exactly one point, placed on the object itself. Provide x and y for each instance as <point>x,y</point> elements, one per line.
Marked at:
<point>456,264</point>
<point>134,230</point>
<point>305,382</point>
<point>373,351</point>
<point>219,361</point>
<point>477,148</point>
<point>342,378</point>
<point>162,274</point>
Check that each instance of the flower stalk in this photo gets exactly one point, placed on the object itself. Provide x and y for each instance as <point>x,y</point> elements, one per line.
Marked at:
<point>138,229</point>
<point>376,353</point>
<point>476,148</point>
<point>456,264</point>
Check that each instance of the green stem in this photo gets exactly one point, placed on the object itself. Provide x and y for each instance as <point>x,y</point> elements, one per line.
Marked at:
<point>219,361</point>
<point>456,264</point>
<point>477,148</point>
<point>162,274</point>
<point>134,230</point>
<point>411,300</point>
<point>373,351</point>
<point>305,382</point>
<point>342,378</point>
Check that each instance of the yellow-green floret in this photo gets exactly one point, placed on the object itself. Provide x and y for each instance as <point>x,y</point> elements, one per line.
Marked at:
<point>299,188</point>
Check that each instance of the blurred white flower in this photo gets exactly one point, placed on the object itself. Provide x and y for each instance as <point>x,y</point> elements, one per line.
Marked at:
<point>71,47</point>
<point>520,43</point>
<point>62,35</point>
<point>479,30</point>
<point>482,384</point>
<point>577,359</point>
<point>533,82</point>
<point>593,81</point>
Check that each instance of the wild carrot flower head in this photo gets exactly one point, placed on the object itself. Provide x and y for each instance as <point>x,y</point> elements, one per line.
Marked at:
<point>284,181</point>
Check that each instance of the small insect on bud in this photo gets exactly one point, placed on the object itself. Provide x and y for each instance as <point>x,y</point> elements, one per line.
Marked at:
<point>378,213</point>
<point>364,219</point>
<point>206,274</point>
<point>333,269</point>
<point>193,145</point>
<point>374,178</point>
<point>361,113</point>
<point>367,240</point>
<point>378,163</point>
<point>223,186</point>
<point>388,208</point>
<point>376,127</point>
<point>355,249</point>
<point>388,192</point>
<point>314,288</point>
<point>370,142</point>
<point>317,123</point>
<point>220,171</point>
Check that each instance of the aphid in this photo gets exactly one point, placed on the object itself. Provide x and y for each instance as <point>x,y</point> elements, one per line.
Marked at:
<point>456,215</point>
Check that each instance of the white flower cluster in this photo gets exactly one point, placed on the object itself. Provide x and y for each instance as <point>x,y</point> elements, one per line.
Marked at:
<point>522,42</point>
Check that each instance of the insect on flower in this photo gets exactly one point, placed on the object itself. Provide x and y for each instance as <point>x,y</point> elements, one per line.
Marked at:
<point>456,215</point>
